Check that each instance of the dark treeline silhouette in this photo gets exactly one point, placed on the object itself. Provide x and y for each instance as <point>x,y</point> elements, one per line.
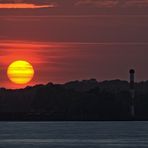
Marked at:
<point>78,100</point>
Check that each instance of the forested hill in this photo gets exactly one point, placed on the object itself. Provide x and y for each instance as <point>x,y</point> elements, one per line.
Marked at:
<point>76,100</point>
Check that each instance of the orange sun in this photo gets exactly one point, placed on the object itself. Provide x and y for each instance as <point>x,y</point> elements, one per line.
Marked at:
<point>20,72</point>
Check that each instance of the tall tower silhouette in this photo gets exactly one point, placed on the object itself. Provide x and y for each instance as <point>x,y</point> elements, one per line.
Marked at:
<point>132,92</point>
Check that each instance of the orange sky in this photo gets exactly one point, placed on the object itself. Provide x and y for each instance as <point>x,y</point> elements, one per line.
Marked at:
<point>68,40</point>
<point>60,62</point>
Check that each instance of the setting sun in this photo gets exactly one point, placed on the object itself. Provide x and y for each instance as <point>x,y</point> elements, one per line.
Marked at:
<point>20,72</point>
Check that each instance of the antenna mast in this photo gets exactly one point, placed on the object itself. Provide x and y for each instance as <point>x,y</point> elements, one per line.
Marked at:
<point>132,92</point>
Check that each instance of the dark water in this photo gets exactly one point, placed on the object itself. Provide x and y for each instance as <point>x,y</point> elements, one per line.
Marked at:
<point>73,134</point>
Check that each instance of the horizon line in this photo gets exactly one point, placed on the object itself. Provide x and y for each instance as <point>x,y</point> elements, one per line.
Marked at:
<point>79,80</point>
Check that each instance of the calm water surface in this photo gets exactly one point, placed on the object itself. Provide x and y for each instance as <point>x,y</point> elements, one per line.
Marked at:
<point>73,134</point>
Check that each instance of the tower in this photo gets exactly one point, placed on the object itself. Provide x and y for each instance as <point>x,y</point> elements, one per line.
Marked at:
<point>132,92</point>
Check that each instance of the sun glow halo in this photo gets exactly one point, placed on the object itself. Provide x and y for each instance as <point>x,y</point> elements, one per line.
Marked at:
<point>20,72</point>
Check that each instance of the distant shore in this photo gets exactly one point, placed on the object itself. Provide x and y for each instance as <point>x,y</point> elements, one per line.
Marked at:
<point>86,100</point>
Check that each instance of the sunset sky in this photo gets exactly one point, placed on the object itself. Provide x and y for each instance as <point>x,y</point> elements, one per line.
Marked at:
<point>68,40</point>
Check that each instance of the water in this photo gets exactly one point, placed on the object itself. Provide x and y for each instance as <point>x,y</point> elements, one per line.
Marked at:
<point>73,134</point>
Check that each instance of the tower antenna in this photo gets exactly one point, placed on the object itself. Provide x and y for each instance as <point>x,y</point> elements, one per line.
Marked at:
<point>132,92</point>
